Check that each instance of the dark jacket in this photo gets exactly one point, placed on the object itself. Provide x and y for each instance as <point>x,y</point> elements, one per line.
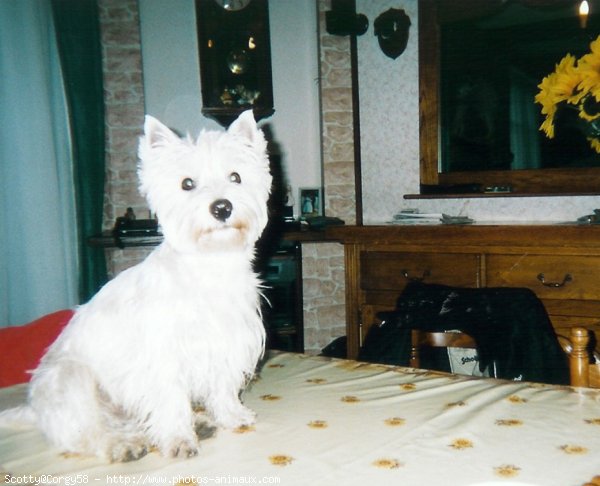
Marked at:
<point>510,325</point>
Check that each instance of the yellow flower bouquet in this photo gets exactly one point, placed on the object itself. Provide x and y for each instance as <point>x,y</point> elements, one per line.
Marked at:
<point>575,83</point>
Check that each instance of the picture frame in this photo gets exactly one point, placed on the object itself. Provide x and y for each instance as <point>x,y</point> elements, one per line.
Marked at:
<point>311,202</point>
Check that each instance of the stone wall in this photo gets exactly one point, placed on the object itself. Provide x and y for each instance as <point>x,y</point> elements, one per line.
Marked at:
<point>124,105</point>
<point>323,263</point>
<point>323,287</point>
<point>336,120</point>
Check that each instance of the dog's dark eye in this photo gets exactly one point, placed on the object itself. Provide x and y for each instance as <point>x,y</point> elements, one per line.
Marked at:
<point>188,184</point>
<point>235,177</point>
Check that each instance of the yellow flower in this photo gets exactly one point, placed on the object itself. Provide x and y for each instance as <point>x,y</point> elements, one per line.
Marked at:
<point>561,85</point>
<point>547,125</point>
<point>546,97</point>
<point>575,82</point>
<point>584,115</point>
<point>595,46</point>
<point>589,108</point>
<point>589,69</point>
<point>595,143</point>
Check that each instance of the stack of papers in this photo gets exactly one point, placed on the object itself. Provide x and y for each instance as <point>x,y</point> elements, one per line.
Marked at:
<point>413,216</point>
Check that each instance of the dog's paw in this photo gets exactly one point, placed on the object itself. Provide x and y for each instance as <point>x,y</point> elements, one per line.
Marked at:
<point>182,449</point>
<point>127,451</point>
<point>236,418</point>
<point>204,430</point>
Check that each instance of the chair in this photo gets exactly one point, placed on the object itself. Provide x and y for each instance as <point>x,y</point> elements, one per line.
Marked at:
<point>583,365</point>
<point>392,353</point>
<point>22,347</point>
<point>451,339</point>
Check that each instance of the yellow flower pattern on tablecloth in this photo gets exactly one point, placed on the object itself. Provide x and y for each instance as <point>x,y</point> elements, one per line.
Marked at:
<point>509,422</point>
<point>457,443</point>
<point>507,471</point>
<point>461,444</point>
<point>595,481</point>
<point>270,398</point>
<point>386,463</point>
<point>70,455</point>
<point>460,403</point>
<point>394,421</point>
<point>316,410</point>
<point>573,449</point>
<point>318,424</point>
<point>281,460</point>
<point>186,482</point>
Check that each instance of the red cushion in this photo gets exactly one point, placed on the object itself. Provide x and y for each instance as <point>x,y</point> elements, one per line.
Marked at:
<point>22,347</point>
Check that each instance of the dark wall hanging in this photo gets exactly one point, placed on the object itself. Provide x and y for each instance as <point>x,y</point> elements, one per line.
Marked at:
<point>235,58</point>
<point>391,29</point>
<point>343,20</point>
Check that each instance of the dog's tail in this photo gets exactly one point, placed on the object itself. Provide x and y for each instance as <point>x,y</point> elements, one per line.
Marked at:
<point>18,417</point>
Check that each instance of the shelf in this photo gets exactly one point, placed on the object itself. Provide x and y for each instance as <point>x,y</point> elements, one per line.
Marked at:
<point>492,195</point>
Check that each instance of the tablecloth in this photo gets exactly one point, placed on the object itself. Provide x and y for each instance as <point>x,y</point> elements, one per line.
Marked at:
<point>324,421</point>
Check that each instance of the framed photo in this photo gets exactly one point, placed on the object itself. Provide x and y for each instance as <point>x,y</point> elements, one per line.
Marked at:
<point>311,202</point>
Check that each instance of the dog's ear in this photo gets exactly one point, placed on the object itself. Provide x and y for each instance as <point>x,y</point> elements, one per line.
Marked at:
<point>245,127</point>
<point>156,134</point>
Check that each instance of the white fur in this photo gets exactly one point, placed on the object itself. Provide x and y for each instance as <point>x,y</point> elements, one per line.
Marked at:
<point>181,327</point>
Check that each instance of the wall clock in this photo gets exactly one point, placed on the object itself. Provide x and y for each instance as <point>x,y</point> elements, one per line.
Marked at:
<point>235,58</point>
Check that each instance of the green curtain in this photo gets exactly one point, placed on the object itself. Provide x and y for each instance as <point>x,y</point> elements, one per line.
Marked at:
<point>78,36</point>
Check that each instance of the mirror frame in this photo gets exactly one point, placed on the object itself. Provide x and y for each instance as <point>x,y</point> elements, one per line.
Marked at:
<point>527,182</point>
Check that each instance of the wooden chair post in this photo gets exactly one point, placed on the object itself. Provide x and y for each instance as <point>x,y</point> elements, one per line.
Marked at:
<point>579,360</point>
<point>414,362</point>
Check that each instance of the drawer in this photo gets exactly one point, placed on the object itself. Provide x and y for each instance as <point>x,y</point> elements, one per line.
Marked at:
<point>564,277</point>
<point>382,270</point>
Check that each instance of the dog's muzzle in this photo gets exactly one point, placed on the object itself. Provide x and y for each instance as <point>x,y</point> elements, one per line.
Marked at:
<point>221,209</point>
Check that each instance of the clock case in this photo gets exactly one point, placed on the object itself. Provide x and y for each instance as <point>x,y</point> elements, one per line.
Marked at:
<point>230,41</point>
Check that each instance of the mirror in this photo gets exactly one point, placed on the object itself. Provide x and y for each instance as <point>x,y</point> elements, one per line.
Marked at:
<point>474,102</point>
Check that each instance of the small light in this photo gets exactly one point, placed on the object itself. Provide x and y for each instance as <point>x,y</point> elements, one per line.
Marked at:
<point>584,10</point>
<point>210,43</point>
<point>251,43</point>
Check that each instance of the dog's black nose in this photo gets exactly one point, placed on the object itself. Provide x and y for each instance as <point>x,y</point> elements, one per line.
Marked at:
<point>221,209</point>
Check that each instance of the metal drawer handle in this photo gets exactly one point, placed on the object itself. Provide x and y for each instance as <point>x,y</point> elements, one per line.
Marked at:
<point>566,278</point>
<point>426,273</point>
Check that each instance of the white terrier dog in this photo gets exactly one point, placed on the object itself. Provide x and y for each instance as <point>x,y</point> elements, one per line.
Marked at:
<point>183,326</point>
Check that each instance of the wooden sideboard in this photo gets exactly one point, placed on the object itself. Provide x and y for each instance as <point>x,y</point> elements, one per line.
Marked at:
<point>559,262</point>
